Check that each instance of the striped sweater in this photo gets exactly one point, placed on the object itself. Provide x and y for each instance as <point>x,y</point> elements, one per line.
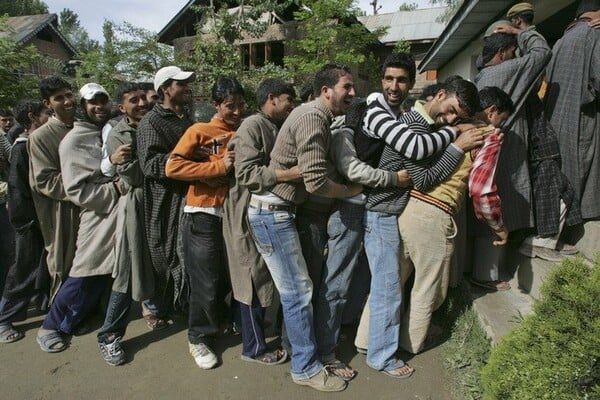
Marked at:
<point>425,173</point>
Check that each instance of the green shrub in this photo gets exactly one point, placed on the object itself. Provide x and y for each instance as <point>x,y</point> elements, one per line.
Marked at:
<point>555,353</point>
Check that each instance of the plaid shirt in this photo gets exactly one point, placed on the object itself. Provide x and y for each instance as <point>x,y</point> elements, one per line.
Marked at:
<point>482,184</point>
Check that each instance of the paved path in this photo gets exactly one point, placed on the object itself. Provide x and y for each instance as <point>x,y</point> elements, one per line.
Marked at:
<point>159,367</point>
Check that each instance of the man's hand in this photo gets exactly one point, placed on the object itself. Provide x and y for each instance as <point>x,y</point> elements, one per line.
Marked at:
<point>289,175</point>
<point>507,29</point>
<point>503,237</point>
<point>228,159</point>
<point>595,23</point>
<point>470,139</point>
<point>403,179</point>
<point>121,155</point>
<point>201,154</point>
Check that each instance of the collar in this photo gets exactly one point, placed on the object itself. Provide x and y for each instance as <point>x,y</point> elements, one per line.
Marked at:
<point>420,108</point>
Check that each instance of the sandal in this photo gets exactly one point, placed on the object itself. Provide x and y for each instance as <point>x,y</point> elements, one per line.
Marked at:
<point>274,357</point>
<point>337,368</point>
<point>496,286</point>
<point>399,366</point>
<point>52,342</point>
<point>154,323</point>
<point>8,334</point>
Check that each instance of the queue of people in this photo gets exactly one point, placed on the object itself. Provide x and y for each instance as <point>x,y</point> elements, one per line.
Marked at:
<point>336,202</point>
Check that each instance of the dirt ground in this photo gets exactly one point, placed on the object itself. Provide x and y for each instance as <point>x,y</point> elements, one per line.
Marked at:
<point>159,367</point>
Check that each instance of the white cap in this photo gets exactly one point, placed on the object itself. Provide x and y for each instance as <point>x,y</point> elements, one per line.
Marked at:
<point>89,90</point>
<point>171,72</point>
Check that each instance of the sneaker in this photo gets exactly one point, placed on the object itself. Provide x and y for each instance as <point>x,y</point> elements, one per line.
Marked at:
<point>541,252</point>
<point>112,352</point>
<point>203,355</point>
<point>324,382</point>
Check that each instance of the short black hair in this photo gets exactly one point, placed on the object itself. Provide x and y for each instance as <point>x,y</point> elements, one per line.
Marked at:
<point>124,88</point>
<point>274,86</point>
<point>526,16</point>
<point>494,96</point>
<point>405,61</point>
<point>226,86</point>
<point>49,86</point>
<point>306,92</point>
<point>145,86</point>
<point>465,92</point>
<point>496,42</point>
<point>26,106</point>
<point>329,75</point>
<point>430,90</point>
<point>6,112</point>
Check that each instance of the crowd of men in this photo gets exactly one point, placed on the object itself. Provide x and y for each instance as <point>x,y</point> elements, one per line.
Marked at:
<point>345,206</point>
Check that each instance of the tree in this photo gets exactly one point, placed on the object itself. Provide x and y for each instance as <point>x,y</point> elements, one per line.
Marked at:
<point>452,5</point>
<point>15,80</point>
<point>75,33</point>
<point>402,46</point>
<point>128,53</point>
<point>15,8</point>
<point>328,31</point>
<point>408,7</point>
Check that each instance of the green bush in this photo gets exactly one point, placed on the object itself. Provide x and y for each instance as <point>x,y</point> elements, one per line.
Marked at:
<point>555,353</point>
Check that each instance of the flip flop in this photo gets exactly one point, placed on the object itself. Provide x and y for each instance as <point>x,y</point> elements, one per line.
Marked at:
<point>274,357</point>
<point>154,323</point>
<point>399,364</point>
<point>8,334</point>
<point>496,286</point>
<point>334,366</point>
<point>52,342</point>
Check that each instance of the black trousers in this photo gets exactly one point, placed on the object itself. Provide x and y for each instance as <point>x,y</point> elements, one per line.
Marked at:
<point>206,270</point>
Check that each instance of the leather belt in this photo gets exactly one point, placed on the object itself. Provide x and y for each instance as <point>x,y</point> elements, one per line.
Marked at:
<point>259,204</point>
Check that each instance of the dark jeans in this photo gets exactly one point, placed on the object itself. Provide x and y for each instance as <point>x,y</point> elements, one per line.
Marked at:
<point>27,276</point>
<point>116,319</point>
<point>206,270</point>
<point>312,230</point>
<point>253,328</point>
<point>75,299</point>
<point>7,244</point>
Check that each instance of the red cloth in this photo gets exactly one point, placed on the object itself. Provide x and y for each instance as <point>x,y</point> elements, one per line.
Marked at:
<point>482,184</point>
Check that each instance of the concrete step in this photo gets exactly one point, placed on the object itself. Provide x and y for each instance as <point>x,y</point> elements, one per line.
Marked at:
<point>588,241</point>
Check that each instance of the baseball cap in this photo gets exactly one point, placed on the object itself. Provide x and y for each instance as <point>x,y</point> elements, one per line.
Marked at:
<point>170,72</point>
<point>492,28</point>
<point>89,90</point>
<point>519,8</point>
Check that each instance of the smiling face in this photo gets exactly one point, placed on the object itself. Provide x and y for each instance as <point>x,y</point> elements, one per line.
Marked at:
<point>231,110</point>
<point>446,109</point>
<point>178,92</point>
<point>134,105</point>
<point>97,109</point>
<point>339,97</point>
<point>395,85</point>
<point>282,107</point>
<point>62,102</point>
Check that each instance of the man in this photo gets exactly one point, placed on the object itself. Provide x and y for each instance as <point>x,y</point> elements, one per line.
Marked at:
<point>157,134</point>
<point>380,322</point>
<point>7,119</point>
<point>58,217</point>
<point>303,140</point>
<point>97,197</point>
<point>250,278</point>
<point>573,107</point>
<point>134,266</point>
<point>151,95</point>
<point>28,276</point>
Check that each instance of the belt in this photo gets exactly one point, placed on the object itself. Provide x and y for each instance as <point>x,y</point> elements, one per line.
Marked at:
<point>254,203</point>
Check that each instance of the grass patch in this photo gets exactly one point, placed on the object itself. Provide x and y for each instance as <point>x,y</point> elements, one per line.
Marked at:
<point>467,349</point>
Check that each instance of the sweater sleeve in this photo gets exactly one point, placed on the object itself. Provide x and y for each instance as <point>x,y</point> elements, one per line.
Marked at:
<point>379,123</point>
<point>180,165</point>
<point>427,174</point>
<point>343,155</point>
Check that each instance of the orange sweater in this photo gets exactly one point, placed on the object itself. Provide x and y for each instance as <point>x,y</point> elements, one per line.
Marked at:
<point>214,136</point>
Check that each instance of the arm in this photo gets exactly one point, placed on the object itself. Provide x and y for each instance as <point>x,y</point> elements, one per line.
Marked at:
<point>129,171</point>
<point>311,133</point>
<point>152,151</point>
<point>106,166</point>
<point>343,155</point>
<point>482,186</point>
<point>252,150</point>
<point>379,123</point>
<point>426,174</point>
<point>45,175</point>
<point>180,165</point>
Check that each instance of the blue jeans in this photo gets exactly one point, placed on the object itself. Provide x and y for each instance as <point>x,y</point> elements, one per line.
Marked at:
<point>277,240</point>
<point>382,244</point>
<point>345,231</point>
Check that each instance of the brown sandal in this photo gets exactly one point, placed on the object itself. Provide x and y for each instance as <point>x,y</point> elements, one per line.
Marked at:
<point>154,323</point>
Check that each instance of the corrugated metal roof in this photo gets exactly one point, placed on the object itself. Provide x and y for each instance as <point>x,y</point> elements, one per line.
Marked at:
<point>414,25</point>
<point>25,27</point>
